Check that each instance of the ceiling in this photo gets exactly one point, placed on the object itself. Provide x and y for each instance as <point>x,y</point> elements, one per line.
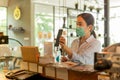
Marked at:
<point>68,3</point>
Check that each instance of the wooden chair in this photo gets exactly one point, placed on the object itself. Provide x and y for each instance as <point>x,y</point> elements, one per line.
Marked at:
<point>112,48</point>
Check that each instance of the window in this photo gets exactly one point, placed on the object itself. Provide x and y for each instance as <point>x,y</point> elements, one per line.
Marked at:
<point>43,25</point>
<point>48,20</point>
<point>3,20</point>
<point>114,25</point>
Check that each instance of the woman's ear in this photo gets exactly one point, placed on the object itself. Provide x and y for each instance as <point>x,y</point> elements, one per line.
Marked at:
<point>90,27</point>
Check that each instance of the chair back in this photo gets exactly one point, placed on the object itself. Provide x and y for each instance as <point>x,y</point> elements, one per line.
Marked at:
<point>112,48</point>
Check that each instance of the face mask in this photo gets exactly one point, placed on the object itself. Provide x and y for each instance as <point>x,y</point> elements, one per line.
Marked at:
<point>80,31</point>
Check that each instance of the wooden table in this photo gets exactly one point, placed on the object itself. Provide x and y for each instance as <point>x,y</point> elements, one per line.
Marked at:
<point>83,72</point>
<point>74,73</point>
<point>77,75</point>
<point>54,72</point>
<point>2,76</point>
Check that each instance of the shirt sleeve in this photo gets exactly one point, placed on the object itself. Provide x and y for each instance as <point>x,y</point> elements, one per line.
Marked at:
<point>87,56</point>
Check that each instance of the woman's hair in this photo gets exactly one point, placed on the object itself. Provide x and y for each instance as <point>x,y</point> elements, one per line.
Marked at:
<point>89,19</point>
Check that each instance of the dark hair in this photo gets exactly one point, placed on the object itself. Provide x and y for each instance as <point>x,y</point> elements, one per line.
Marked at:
<point>89,19</point>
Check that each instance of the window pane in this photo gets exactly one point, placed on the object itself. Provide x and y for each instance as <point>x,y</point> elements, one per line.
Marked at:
<point>114,25</point>
<point>3,20</point>
<point>43,25</point>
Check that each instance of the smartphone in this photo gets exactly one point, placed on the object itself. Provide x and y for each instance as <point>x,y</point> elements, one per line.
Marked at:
<point>58,37</point>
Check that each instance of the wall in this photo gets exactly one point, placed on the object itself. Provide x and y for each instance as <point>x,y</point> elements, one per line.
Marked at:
<point>24,21</point>
<point>4,3</point>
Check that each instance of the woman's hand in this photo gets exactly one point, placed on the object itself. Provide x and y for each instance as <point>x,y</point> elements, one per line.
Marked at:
<point>65,48</point>
<point>62,41</point>
<point>64,59</point>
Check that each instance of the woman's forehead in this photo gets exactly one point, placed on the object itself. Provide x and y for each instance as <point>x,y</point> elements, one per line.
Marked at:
<point>80,20</point>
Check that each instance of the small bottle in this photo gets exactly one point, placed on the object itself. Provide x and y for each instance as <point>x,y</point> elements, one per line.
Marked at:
<point>58,56</point>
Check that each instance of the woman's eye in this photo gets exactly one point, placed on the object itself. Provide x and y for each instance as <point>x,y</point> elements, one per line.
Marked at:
<point>79,24</point>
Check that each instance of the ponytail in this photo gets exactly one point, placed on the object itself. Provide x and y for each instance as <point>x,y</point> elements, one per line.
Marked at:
<point>94,34</point>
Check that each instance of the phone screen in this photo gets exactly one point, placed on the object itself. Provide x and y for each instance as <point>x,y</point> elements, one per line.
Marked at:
<point>58,37</point>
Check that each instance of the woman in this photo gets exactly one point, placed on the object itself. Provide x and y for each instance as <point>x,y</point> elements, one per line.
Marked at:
<point>83,48</point>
